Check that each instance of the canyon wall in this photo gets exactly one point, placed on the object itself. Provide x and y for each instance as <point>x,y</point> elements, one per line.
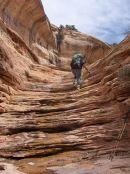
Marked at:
<point>29,20</point>
<point>77,42</point>
<point>46,125</point>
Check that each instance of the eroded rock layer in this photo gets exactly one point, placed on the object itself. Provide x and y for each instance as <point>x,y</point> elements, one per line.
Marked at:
<point>44,121</point>
<point>28,19</point>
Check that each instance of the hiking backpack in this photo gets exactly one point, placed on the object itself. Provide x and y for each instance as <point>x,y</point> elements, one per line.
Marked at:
<point>77,61</point>
<point>59,37</point>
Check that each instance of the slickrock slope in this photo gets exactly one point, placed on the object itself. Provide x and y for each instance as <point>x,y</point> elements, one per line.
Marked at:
<point>75,42</point>
<point>46,126</point>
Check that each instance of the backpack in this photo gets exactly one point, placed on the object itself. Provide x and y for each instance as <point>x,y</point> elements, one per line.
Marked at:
<point>59,37</point>
<point>77,61</point>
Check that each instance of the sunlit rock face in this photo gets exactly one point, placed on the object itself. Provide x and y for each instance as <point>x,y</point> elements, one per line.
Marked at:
<point>44,121</point>
<point>75,42</point>
<point>28,19</point>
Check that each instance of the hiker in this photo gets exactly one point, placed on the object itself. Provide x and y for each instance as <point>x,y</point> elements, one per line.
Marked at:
<point>77,64</point>
<point>59,38</point>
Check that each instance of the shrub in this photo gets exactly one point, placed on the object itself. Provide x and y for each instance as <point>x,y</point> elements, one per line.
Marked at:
<point>71,27</point>
<point>68,27</point>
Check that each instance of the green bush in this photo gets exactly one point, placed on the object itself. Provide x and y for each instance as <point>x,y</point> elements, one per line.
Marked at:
<point>114,44</point>
<point>69,27</point>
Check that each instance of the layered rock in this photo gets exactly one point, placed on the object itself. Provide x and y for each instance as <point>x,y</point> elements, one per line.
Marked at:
<point>44,120</point>
<point>29,20</point>
<point>89,46</point>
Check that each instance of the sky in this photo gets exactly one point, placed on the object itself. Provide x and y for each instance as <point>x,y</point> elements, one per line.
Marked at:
<point>106,20</point>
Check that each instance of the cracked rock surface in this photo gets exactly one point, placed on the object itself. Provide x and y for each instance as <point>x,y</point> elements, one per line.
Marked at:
<point>46,125</point>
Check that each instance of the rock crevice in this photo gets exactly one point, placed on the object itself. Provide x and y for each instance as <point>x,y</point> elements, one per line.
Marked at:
<point>41,113</point>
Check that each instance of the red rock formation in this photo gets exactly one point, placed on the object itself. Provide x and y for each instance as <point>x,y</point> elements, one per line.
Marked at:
<point>74,42</point>
<point>28,19</point>
<point>44,120</point>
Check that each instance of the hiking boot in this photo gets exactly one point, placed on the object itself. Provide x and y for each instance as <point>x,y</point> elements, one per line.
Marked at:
<point>78,87</point>
<point>75,83</point>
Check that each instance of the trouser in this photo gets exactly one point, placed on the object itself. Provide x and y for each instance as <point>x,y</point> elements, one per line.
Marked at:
<point>59,46</point>
<point>77,76</point>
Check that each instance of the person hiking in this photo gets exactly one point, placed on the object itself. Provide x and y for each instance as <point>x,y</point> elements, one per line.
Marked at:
<point>59,39</point>
<point>77,64</point>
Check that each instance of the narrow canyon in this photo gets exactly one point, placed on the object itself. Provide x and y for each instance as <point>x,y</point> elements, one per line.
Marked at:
<point>46,125</point>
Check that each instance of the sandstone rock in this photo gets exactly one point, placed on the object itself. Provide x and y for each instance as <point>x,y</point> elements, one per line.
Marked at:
<point>43,118</point>
<point>2,109</point>
<point>2,167</point>
<point>75,42</point>
<point>28,22</point>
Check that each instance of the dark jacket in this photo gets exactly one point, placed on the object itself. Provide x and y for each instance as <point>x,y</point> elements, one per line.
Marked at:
<point>59,37</point>
<point>77,62</point>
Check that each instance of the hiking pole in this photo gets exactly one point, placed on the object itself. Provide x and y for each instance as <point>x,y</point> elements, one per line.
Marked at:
<point>120,135</point>
<point>87,69</point>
